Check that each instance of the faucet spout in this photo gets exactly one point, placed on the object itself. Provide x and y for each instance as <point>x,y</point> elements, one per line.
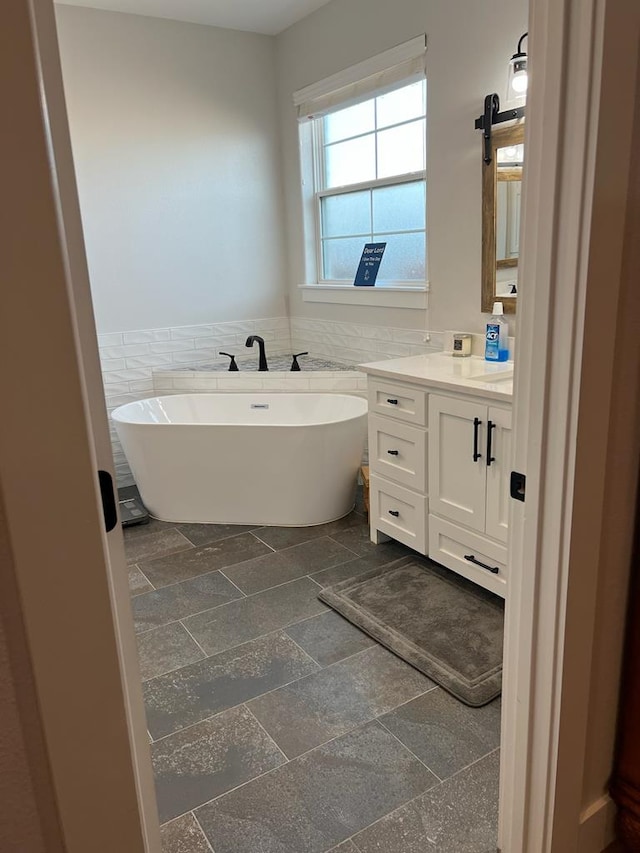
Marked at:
<point>262,361</point>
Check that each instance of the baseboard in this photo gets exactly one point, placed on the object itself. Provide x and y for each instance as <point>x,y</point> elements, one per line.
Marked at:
<point>597,829</point>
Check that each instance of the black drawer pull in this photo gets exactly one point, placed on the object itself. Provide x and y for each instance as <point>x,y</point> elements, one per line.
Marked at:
<point>393,402</point>
<point>476,426</point>
<point>393,452</point>
<point>490,428</point>
<point>394,512</point>
<point>493,569</point>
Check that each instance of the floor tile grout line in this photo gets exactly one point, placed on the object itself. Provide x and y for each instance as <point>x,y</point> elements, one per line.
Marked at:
<point>213,541</point>
<point>204,834</point>
<point>135,566</point>
<point>297,758</point>
<point>234,565</point>
<point>291,580</point>
<point>472,763</point>
<point>255,535</point>
<point>184,580</point>
<point>304,651</point>
<point>251,640</point>
<point>345,546</point>
<point>408,748</point>
<point>307,542</point>
<point>271,738</point>
<point>225,603</point>
<point>226,577</point>
<point>281,766</point>
<point>195,548</point>
<point>169,671</point>
<point>194,640</point>
<point>188,547</point>
<point>417,797</point>
<point>259,696</point>
<point>231,707</point>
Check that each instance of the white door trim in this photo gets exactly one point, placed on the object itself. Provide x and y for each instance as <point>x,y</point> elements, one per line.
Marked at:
<point>564,378</point>
<point>70,575</point>
<point>549,616</point>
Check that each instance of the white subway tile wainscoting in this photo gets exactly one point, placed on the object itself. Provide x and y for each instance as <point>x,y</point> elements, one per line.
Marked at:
<point>129,359</point>
<point>143,363</point>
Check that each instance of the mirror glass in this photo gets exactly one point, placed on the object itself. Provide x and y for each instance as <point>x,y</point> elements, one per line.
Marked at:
<point>502,190</point>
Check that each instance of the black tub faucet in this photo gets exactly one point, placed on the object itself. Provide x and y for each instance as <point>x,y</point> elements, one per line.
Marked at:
<point>262,363</point>
<point>294,363</point>
<point>232,364</point>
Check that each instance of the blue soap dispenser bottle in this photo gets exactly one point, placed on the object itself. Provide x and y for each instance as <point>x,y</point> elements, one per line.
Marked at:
<point>497,337</point>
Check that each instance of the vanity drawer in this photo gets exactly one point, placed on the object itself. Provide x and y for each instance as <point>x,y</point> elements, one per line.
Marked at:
<point>397,401</point>
<point>451,546</point>
<point>398,451</point>
<point>398,512</point>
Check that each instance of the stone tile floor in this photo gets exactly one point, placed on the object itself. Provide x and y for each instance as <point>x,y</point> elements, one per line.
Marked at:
<point>278,727</point>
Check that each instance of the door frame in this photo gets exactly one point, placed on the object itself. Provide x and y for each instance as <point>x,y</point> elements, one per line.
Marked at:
<point>552,610</point>
<point>73,658</point>
<point>576,358</point>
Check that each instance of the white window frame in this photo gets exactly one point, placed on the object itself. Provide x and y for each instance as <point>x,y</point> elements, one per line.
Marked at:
<point>368,79</point>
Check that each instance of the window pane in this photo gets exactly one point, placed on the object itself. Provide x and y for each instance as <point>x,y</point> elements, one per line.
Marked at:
<point>341,258</point>
<point>402,149</point>
<point>351,162</point>
<point>400,208</point>
<point>350,122</point>
<point>404,257</point>
<point>401,105</point>
<point>346,214</point>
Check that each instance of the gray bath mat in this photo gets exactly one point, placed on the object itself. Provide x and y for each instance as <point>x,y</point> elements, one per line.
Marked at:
<point>446,627</point>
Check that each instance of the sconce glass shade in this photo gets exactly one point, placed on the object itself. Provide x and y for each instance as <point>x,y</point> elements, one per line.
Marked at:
<point>518,77</point>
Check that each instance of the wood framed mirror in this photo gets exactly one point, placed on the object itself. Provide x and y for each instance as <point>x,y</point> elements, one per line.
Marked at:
<point>501,191</point>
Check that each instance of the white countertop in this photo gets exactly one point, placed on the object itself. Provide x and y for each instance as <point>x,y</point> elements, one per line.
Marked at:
<point>471,375</point>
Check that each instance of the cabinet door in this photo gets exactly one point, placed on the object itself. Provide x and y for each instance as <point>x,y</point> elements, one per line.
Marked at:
<point>457,467</point>
<point>497,514</point>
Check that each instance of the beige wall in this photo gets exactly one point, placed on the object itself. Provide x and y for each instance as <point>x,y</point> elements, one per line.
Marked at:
<point>175,140</point>
<point>78,687</point>
<point>25,819</point>
<point>469,45</point>
<point>616,219</point>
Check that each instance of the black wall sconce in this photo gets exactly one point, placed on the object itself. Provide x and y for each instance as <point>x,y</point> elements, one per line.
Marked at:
<point>517,84</point>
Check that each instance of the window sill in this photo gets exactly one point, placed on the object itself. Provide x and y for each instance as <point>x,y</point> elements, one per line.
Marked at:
<point>379,295</point>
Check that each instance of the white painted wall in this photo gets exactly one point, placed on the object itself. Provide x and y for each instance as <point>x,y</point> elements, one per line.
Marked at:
<point>469,46</point>
<point>175,139</point>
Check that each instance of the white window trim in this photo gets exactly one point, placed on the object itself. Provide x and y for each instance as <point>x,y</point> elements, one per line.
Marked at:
<point>361,81</point>
<point>381,296</point>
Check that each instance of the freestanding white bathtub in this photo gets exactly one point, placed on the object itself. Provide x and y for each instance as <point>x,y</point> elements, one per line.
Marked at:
<point>245,458</point>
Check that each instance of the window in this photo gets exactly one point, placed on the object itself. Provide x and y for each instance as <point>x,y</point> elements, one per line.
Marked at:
<point>363,171</point>
<point>370,186</point>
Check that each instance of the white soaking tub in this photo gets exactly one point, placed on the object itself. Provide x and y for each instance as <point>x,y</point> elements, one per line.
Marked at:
<point>256,458</point>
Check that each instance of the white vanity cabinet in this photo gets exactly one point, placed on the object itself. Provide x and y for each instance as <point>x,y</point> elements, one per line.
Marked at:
<point>439,461</point>
<point>398,462</point>
<point>469,453</point>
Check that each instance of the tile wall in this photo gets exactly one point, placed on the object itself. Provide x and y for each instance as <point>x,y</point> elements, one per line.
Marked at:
<point>142,363</point>
<point>358,343</point>
<point>128,360</point>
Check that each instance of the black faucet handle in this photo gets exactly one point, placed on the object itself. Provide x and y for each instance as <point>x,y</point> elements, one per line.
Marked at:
<point>294,363</point>
<point>232,364</point>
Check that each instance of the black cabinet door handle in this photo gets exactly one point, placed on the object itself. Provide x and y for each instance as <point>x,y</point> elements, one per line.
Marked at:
<point>393,452</point>
<point>394,512</point>
<point>493,569</point>
<point>393,402</point>
<point>476,429</point>
<point>490,428</point>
